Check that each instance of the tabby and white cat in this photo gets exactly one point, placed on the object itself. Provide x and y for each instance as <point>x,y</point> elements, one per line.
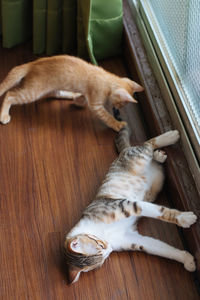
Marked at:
<point>109,223</point>
<point>67,77</point>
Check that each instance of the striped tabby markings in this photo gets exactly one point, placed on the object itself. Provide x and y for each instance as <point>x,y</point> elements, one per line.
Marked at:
<point>103,216</point>
<point>109,214</point>
<point>135,207</point>
<point>169,215</point>
<point>123,210</point>
<point>118,187</point>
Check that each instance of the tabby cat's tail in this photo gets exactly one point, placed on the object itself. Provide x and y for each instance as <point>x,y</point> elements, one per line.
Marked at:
<point>122,139</point>
<point>13,78</point>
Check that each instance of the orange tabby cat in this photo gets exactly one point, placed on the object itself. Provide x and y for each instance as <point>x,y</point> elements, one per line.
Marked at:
<point>67,77</point>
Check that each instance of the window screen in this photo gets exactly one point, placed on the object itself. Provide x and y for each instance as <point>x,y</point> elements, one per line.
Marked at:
<point>178,22</point>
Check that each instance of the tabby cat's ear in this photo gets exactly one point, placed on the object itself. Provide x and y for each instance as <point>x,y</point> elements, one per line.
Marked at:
<point>124,96</point>
<point>75,245</point>
<point>73,274</point>
<point>83,245</point>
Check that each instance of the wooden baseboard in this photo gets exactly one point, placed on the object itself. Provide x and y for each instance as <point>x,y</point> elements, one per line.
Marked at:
<point>181,187</point>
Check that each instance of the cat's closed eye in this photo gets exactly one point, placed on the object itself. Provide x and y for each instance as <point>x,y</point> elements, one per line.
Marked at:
<point>101,245</point>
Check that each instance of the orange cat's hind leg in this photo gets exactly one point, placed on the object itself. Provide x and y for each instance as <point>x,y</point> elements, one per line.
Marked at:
<point>7,102</point>
<point>17,96</point>
<point>63,95</point>
<point>79,99</point>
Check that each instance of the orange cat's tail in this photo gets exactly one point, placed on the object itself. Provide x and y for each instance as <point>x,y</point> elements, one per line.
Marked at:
<point>13,78</point>
<point>122,139</point>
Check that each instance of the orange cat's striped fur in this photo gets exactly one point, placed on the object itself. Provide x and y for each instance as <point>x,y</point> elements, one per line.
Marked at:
<point>70,77</point>
<point>109,223</point>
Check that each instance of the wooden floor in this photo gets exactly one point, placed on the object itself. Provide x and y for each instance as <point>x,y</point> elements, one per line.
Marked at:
<point>53,158</point>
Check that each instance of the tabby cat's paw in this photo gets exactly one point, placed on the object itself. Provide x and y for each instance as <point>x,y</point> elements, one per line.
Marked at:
<point>4,119</point>
<point>189,262</point>
<point>186,219</point>
<point>160,156</point>
<point>119,125</point>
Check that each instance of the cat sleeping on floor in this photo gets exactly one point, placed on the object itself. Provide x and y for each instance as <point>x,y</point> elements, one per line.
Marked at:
<point>67,77</point>
<point>109,223</point>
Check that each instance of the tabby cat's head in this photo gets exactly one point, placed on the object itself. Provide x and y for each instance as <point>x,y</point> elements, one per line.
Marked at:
<point>124,94</point>
<point>84,253</point>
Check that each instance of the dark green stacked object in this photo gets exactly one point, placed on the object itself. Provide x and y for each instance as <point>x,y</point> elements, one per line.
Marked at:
<point>94,27</point>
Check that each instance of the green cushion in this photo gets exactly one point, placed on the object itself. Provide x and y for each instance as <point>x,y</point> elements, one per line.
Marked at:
<point>99,28</point>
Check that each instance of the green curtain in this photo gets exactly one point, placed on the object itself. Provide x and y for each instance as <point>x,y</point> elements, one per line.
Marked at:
<point>69,26</point>
<point>16,21</point>
<point>93,27</point>
<point>54,26</point>
<point>0,19</point>
<point>39,26</point>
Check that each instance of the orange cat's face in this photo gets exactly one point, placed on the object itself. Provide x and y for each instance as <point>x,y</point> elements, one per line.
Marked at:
<point>84,253</point>
<point>124,94</point>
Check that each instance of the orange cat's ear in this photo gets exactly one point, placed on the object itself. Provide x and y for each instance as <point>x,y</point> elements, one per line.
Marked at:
<point>136,87</point>
<point>124,96</point>
<point>73,274</point>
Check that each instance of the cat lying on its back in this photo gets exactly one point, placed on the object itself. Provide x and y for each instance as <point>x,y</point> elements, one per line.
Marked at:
<point>109,223</point>
<point>70,77</point>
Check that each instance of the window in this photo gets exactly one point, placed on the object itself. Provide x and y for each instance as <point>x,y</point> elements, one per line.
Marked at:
<point>172,27</point>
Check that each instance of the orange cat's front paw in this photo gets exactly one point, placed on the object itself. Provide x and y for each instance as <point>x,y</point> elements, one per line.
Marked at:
<point>119,125</point>
<point>4,119</point>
